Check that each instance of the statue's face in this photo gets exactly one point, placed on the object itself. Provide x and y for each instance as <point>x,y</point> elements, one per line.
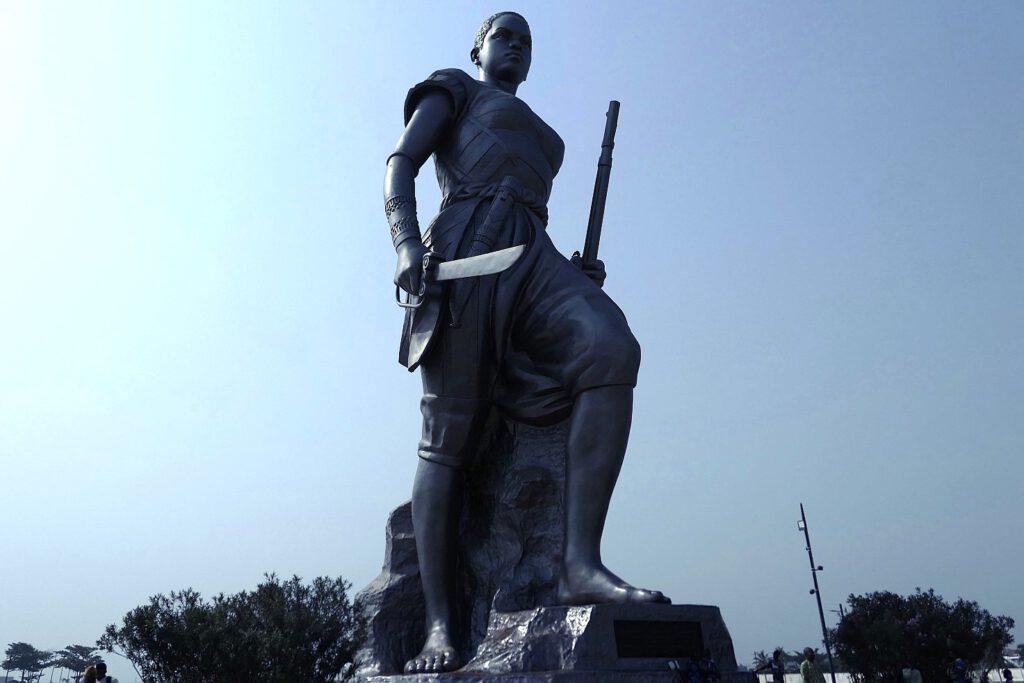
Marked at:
<point>507,49</point>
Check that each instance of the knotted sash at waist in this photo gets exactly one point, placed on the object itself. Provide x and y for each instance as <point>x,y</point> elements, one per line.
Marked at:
<point>515,190</point>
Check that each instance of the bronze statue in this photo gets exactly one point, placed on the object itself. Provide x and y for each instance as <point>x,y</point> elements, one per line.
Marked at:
<point>537,339</point>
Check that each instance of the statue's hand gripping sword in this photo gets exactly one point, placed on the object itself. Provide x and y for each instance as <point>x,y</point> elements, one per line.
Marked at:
<point>436,269</point>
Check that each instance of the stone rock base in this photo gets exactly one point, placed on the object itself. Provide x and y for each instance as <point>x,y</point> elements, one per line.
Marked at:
<point>665,676</point>
<point>613,643</point>
<point>510,547</point>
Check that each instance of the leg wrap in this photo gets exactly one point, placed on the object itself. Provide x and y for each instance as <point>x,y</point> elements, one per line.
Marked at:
<point>451,429</point>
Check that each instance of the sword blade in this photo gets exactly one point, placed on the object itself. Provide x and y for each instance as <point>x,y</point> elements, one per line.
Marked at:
<point>475,266</point>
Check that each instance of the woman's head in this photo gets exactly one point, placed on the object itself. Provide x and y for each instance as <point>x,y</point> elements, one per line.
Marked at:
<point>503,48</point>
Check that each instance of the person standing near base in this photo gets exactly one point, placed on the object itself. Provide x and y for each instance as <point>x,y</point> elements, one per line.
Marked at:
<point>101,674</point>
<point>777,665</point>
<point>810,672</point>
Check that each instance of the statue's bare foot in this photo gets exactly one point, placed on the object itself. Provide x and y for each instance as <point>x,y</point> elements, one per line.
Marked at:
<point>586,585</point>
<point>437,656</point>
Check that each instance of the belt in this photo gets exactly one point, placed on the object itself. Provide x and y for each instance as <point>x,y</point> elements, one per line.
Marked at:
<point>503,195</point>
<point>515,190</point>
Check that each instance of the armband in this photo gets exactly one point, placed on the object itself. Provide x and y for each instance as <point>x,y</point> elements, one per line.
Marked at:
<point>399,201</point>
<point>404,228</point>
<point>402,220</point>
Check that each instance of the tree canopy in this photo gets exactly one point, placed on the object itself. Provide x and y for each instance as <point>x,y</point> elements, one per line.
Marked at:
<point>790,659</point>
<point>280,631</point>
<point>24,658</point>
<point>75,657</point>
<point>883,633</point>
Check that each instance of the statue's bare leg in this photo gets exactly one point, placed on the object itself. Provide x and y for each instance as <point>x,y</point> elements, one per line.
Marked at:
<point>436,496</point>
<point>598,434</point>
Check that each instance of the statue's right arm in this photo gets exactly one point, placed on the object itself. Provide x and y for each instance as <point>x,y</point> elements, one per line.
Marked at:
<point>426,128</point>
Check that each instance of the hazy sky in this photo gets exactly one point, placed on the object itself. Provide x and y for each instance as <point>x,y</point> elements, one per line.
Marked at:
<point>814,226</point>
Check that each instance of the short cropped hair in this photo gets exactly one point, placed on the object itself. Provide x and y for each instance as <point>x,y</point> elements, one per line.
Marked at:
<point>486,26</point>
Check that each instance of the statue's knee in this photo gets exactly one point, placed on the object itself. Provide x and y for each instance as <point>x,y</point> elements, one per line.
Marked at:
<point>617,357</point>
<point>451,429</point>
<point>631,353</point>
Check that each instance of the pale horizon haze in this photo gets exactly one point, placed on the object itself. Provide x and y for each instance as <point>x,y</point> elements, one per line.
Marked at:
<point>815,226</point>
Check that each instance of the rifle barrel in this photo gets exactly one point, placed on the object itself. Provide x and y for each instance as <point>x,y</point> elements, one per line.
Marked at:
<point>604,172</point>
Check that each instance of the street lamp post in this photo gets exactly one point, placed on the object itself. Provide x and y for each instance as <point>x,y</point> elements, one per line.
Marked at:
<point>816,592</point>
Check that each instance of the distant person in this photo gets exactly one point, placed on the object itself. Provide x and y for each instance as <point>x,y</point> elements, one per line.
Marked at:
<point>1007,675</point>
<point>809,671</point>
<point>709,668</point>
<point>101,674</point>
<point>911,675</point>
<point>777,666</point>
<point>959,671</point>
<point>89,675</point>
<point>693,672</point>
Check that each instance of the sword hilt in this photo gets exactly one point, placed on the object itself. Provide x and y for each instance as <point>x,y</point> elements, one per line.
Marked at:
<point>430,261</point>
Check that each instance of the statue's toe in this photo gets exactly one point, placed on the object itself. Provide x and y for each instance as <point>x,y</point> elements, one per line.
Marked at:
<point>634,594</point>
<point>451,661</point>
<point>415,665</point>
<point>433,662</point>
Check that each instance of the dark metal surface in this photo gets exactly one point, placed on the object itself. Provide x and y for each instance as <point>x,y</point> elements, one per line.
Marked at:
<point>541,328</point>
<point>604,172</point>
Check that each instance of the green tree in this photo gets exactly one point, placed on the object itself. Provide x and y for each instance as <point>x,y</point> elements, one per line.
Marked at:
<point>791,660</point>
<point>282,631</point>
<point>24,658</point>
<point>761,659</point>
<point>75,658</point>
<point>883,633</point>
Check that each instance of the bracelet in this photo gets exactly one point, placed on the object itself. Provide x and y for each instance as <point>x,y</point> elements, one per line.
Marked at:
<point>397,202</point>
<point>403,229</point>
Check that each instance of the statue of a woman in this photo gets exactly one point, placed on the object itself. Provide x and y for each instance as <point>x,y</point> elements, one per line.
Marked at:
<point>540,341</point>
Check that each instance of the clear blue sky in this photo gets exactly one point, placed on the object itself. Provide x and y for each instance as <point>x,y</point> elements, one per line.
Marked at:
<point>814,225</point>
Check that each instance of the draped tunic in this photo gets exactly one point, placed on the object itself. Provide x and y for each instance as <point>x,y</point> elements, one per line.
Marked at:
<point>538,318</point>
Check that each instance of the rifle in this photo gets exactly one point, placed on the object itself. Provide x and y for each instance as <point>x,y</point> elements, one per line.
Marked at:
<point>604,172</point>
